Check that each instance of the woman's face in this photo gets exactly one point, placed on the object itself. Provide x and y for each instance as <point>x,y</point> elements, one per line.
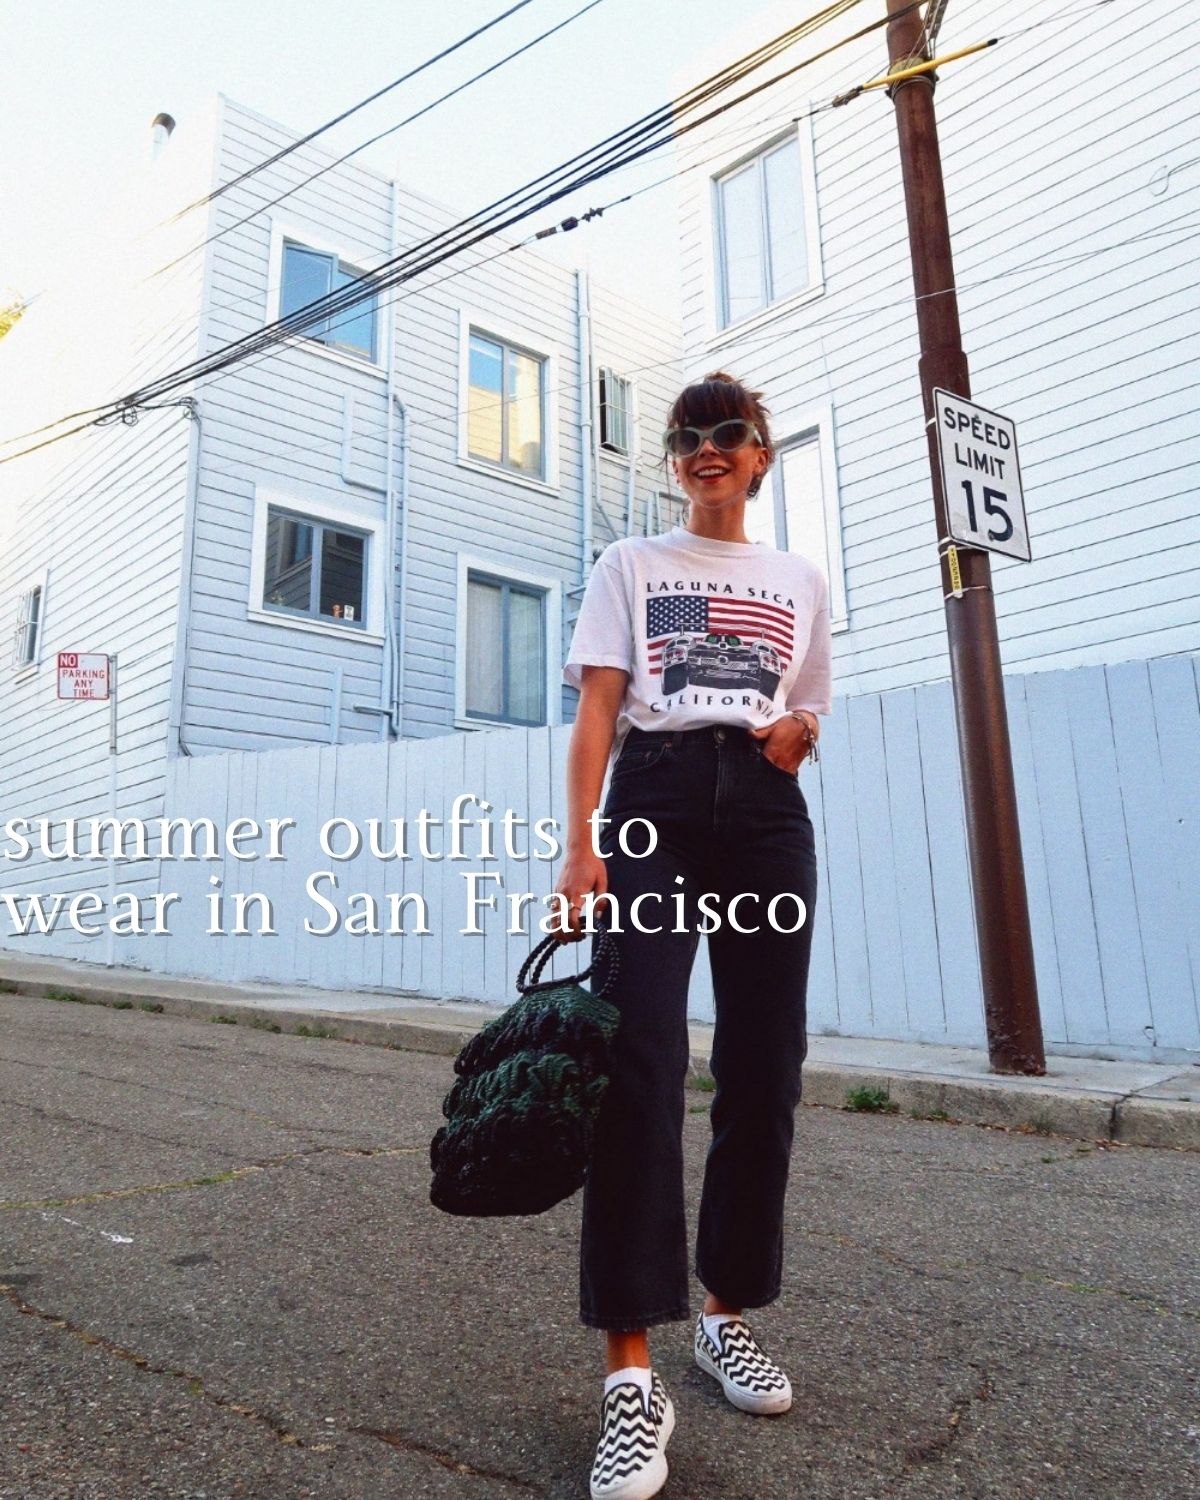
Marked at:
<point>712,479</point>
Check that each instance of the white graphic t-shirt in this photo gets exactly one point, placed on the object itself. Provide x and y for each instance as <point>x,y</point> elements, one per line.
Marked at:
<point>710,632</point>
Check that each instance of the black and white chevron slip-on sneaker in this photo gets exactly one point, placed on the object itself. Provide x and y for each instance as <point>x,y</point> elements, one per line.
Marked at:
<point>749,1379</point>
<point>631,1462</point>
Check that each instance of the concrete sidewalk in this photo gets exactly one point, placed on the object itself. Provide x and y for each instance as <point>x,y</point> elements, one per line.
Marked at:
<point>1136,1103</point>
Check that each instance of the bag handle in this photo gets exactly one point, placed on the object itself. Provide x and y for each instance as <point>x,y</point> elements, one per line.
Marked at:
<point>606,948</point>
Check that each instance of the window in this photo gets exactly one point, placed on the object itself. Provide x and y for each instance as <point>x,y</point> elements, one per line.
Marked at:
<point>307,275</point>
<point>762,242</point>
<point>506,391</point>
<point>616,406</point>
<point>314,567</point>
<point>797,509</point>
<point>505,650</point>
<point>27,638</point>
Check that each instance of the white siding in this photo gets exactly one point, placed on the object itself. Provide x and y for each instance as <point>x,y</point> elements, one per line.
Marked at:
<point>279,420</point>
<point>102,513</point>
<point>1080,315</point>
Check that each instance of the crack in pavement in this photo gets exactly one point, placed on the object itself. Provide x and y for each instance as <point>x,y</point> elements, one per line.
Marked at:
<point>447,1460</point>
<point>936,1447</point>
<point>195,1383</point>
<point>103,1127</point>
<point>109,1194</point>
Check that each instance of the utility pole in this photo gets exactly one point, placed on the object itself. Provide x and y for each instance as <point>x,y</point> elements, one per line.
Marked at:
<point>1014,1027</point>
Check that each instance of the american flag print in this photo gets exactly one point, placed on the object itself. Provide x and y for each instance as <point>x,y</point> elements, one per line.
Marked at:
<point>699,614</point>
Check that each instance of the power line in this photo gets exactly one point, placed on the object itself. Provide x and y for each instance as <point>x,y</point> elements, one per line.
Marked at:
<point>346,156</point>
<point>312,135</point>
<point>621,149</point>
<point>375,281</point>
<point>1036,265</point>
<point>366,286</point>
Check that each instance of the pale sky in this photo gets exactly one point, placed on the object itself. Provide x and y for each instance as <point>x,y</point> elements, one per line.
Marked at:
<point>84,78</point>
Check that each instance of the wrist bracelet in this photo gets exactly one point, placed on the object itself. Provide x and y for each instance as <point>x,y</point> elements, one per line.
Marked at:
<point>798,715</point>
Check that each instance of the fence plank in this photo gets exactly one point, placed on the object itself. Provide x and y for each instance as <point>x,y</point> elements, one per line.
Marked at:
<point>1033,857</point>
<point>1124,990</point>
<point>925,1017</point>
<point>844,863</point>
<point>1156,900</point>
<point>958,946</point>
<point>1173,682</point>
<point>1075,938</point>
<point>880,902</point>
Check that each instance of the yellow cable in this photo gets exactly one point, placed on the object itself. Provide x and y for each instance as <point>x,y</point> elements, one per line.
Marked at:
<point>915,72</point>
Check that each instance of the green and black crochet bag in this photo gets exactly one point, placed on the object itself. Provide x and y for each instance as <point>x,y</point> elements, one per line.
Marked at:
<point>520,1116</point>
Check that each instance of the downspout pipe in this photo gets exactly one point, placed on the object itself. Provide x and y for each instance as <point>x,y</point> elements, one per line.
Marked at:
<point>586,435</point>
<point>634,452</point>
<point>400,646</point>
<point>184,633</point>
<point>391,644</point>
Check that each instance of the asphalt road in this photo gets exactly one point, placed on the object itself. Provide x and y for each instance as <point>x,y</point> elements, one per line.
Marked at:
<point>221,1276</point>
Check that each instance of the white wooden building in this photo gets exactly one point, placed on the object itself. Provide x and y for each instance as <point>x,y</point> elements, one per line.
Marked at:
<point>380,531</point>
<point>1073,183</point>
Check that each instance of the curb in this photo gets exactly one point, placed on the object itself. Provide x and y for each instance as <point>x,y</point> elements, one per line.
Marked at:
<point>1011,1104</point>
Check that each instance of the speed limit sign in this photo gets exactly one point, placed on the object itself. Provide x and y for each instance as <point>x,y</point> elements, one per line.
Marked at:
<point>981,476</point>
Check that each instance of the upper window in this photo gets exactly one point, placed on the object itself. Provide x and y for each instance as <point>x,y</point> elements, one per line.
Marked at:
<point>762,245</point>
<point>616,404</point>
<point>29,627</point>
<point>506,402</point>
<point>314,567</point>
<point>797,508</point>
<point>505,653</point>
<point>308,275</point>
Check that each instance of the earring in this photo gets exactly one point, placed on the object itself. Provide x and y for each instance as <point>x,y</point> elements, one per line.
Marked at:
<point>753,487</point>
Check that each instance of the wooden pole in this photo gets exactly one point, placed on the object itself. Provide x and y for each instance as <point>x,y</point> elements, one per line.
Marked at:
<point>1014,1027</point>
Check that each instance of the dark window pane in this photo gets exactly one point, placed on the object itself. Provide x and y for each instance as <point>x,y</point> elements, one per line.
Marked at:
<point>306,276</point>
<point>485,648</point>
<point>287,579</point>
<point>355,327</point>
<point>526,657</point>
<point>343,557</point>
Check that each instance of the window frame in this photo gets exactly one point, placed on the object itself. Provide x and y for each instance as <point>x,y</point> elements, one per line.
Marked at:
<point>33,583</point>
<point>608,375</point>
<point>333,516</point>
<point>471,565</point>
<point>816,424</point>
<point>354,258</point>
<point>720,332</point>
<point>473,321</point>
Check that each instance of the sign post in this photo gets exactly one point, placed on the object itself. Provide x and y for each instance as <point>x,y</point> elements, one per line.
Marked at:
<point>969,523</point>
<point>91,677</point>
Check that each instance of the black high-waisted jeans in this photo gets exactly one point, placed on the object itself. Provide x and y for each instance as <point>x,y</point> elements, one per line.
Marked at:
<point>728,821</point>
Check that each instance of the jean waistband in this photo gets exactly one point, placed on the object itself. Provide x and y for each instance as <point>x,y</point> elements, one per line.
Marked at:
<point>705,735</point>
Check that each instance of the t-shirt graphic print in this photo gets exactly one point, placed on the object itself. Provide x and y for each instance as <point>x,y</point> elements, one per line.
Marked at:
<point>699,641</point>
<point>709,632</point>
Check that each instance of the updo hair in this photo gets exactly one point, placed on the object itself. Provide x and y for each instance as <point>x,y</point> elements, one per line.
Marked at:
<point>718,397</point>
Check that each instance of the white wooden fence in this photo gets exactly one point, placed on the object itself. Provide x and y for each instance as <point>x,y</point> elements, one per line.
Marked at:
<point>1108,776</point>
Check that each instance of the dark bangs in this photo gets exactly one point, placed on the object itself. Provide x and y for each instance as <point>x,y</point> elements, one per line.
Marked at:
<point>711,401</point>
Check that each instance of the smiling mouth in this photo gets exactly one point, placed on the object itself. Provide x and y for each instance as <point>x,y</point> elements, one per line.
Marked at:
<point>709,473</point>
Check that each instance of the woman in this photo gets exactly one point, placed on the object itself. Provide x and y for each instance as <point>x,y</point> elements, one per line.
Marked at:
<point>706,657</point>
